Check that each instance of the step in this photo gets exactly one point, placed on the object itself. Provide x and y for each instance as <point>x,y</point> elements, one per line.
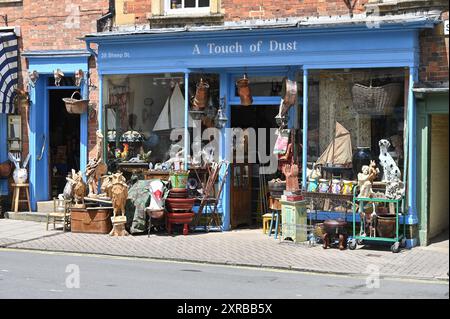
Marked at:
<point>45,206</point>
<point>27,216</point>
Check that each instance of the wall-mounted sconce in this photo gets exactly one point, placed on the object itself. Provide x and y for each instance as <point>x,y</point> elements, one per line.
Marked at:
<point>79,76</point>
<point>58,74</point>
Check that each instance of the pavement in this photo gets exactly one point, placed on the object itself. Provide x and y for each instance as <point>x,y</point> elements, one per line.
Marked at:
<point>73,276</point>
<point>247,247</point>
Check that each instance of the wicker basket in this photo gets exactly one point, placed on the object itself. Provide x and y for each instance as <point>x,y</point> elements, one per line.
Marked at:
<point>376,100</point>
<point>75,106</point>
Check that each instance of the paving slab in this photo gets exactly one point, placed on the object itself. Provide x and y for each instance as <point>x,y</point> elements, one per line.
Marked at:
<point>248,247</point>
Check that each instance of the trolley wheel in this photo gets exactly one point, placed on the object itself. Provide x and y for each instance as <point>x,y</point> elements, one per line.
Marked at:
<point>403,243</point>
<point>395,248</point>
<point>352,244</point>
<point>360,242</point>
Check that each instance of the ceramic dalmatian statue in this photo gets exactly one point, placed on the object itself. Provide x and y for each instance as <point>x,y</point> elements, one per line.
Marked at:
<point>391,172</point>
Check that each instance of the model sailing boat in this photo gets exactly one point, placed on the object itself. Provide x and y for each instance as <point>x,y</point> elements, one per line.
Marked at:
<point>339,152</point>
<point>172,115</point>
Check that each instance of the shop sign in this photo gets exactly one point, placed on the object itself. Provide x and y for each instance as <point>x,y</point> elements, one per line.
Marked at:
<point>446,27</point>
<point>212,48</point>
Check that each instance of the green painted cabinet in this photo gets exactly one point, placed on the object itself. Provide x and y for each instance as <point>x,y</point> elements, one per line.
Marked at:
<point>294,220</point>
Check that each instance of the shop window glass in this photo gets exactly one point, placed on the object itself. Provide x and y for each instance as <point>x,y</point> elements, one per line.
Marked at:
<point>186,6</point>
<point>140,113</point>
<point>343,96</point>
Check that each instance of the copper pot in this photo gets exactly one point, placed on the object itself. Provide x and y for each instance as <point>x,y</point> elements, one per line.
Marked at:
<point>244,91</point>
<point>385,225</point>
<point>5,169</point>
<point>201,96</point>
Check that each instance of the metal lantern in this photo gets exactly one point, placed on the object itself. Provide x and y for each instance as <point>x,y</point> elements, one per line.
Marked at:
<point>221,119</point>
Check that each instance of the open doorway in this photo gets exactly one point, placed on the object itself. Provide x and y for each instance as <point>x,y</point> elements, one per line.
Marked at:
<point>245,177</point>
<point>64,131</point>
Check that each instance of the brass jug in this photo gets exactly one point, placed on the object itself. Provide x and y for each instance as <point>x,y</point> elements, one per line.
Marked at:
<point>244,91</point>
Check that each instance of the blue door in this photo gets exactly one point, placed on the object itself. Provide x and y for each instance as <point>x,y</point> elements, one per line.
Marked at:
<point>39,142</point>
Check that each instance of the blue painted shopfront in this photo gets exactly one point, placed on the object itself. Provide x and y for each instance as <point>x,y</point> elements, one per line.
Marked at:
<point>288,51</point>
<point>45,62</point>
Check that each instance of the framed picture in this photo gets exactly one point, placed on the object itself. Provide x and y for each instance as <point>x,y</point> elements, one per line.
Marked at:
<point>14,133</point>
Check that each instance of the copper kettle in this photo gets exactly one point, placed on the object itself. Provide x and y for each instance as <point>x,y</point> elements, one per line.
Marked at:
<point>244,91</point>
<point>201,96</point>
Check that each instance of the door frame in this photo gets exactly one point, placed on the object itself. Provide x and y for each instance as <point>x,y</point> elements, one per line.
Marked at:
<point>45,62</point>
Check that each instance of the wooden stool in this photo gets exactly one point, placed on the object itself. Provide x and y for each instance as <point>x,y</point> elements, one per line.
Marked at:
<point>266,218</point>
<point>16,196</point>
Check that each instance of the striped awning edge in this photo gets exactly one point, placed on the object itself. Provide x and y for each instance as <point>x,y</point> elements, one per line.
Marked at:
<point>8,71</point>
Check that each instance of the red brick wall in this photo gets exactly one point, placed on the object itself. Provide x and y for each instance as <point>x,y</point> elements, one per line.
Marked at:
<point>236,10</point>
<point>138,7</point>
<point>44,26</point>
<point>434,55</point>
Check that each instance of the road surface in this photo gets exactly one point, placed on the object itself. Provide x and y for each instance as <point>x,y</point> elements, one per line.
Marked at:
<point>32,274</point>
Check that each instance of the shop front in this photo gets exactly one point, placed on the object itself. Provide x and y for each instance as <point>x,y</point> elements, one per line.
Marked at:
<point>151,106</point>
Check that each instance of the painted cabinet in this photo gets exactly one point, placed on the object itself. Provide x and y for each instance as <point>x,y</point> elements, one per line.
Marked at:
<point>294,220</point>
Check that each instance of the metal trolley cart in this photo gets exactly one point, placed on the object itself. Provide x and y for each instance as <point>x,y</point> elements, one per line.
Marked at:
<point>397,242</point>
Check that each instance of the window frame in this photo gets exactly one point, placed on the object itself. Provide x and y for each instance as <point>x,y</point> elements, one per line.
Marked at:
<point>186,11</point>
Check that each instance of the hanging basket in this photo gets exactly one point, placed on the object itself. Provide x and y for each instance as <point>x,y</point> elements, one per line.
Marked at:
<point>379,100</point>
<point>75,106</point>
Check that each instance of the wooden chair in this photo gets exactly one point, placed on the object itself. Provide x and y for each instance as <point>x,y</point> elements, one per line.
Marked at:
<point>60,213</point>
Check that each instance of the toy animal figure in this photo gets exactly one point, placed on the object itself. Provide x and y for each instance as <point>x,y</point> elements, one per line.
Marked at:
<point>58,74</point>
<point>119,193</point>
<point>68,188</point>
<point>365,180</point>
<point>395,190</point>
<point>20,175</point>
<point>391,172</point>
<point>79,189</point>
<point>124,153</point>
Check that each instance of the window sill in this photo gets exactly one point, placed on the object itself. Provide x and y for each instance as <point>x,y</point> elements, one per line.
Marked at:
<point>186,19</point>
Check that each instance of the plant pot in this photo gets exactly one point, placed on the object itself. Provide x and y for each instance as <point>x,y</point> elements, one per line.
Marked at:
<point>178,180</point>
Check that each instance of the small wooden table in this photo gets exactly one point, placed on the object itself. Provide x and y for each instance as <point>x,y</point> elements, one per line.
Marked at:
<point>16,196</point>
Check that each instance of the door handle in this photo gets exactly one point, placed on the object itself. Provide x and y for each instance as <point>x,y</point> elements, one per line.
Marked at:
<point>43,148</point>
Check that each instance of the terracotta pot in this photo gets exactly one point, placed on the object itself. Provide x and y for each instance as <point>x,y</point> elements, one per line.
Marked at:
<point>179,204</point>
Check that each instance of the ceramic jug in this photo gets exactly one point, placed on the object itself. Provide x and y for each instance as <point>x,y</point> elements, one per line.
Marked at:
<point>348,187</point>
<point>313,184</point>
<point>336,186</point>
<point>324,185</point>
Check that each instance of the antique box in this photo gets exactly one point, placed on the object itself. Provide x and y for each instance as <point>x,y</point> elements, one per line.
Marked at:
<point>95,220</point>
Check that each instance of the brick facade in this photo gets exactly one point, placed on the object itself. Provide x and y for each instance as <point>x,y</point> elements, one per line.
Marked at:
<point>51,25</point>
<point>434,55</point>
<point>54,25</point>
